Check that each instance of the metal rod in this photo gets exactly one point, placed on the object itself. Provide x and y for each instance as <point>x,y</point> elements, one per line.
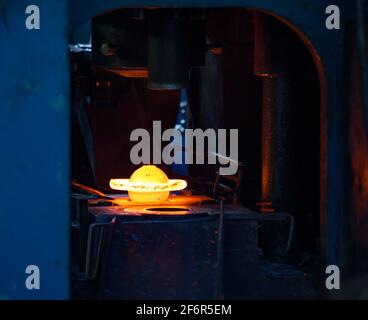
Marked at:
<point>90,190</point>
<point>89,248</point>
<point>99,245</point>
<point>220,253</point>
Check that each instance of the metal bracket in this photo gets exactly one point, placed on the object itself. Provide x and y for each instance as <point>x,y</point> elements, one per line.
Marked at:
<point>88,266</point>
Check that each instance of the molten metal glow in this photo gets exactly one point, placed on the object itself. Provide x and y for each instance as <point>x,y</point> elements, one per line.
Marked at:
<point>148,184</point>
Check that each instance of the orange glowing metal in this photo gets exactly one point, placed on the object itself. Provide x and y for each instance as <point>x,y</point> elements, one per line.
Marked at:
<point>148,185</point>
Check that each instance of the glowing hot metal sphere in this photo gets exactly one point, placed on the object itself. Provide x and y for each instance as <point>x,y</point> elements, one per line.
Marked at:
<point>148,184</point>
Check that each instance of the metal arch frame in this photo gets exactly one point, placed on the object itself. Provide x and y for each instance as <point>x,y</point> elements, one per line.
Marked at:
<point>307,19</point>
<point>34,130</point>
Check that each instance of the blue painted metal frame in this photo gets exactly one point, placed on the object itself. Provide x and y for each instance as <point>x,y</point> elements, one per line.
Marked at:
<point>34,148</point>
<point>34,130</point>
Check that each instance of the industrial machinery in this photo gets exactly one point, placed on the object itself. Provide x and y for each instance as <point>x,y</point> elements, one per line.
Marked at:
<point>214,239</point>
<point>286,77</point>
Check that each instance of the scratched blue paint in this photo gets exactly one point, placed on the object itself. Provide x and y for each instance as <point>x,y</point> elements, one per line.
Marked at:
<point>34,130</point>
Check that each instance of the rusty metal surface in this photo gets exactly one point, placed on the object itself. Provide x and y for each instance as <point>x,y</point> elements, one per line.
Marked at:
<point>149,259</point>
<point>175,257</point>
